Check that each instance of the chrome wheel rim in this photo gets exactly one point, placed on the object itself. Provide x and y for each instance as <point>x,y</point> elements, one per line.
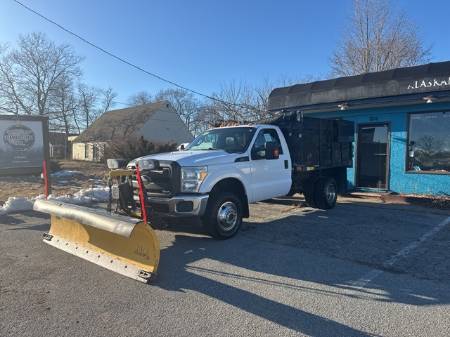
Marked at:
<point>227,216</point>
<point>330,193</point>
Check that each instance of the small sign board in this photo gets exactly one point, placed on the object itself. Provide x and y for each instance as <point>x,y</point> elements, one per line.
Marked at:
<point>23,144</point>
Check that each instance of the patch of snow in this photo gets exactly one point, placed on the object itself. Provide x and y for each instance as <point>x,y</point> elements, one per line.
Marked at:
<point>98,194</point>
<point>66,174</point>
<point>16,204</point>
<point>83,196</point>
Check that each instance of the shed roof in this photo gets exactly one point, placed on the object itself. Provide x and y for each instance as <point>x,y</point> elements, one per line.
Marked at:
<point>120,123</point>
<point>432,77</point>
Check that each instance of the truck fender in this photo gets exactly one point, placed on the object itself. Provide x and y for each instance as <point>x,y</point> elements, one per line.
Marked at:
<point>235,185</point>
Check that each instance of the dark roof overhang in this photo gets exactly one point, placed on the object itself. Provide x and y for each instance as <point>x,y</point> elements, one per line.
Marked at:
<point>393,87</point>
<point>405,100</point>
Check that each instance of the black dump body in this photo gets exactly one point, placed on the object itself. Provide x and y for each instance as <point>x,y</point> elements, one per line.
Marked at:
<point>316,143</point>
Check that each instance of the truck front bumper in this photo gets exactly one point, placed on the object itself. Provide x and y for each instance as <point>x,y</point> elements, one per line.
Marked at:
<point>181,205</point>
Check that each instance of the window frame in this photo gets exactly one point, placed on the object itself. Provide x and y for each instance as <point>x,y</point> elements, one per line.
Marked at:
<point>408,134</point>
<point>261,131</point>
<point>252,129</point>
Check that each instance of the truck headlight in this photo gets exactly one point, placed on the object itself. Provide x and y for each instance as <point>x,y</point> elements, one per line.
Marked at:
<point>146,164</point>
<point>192,178</point>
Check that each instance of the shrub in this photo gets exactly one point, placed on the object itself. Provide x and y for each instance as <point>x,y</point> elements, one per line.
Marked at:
<point>132,148</point>
<point>55,166</point>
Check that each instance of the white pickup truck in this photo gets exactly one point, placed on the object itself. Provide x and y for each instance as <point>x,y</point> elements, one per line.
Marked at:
<point>225,169</point>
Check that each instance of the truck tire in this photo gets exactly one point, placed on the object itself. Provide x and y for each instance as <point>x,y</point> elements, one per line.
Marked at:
<point>325,194</point>
<point>223,216</point>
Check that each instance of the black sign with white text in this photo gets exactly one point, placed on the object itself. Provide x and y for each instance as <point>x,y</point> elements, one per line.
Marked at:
<point>21,143</point>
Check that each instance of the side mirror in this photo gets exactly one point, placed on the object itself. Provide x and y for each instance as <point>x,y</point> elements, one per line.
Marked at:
<point>182,146</point>
<point>272,150</point>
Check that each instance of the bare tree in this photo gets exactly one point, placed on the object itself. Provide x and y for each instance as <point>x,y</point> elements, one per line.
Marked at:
<point>378,39</point>
<point>239,101</point>
<point>140,98</point>
<point>8,103</point>
<point>87,104</point>
<point>261,95</point>
<point>430,145</point>
<point>92,102</point>
<point>107,99</point>
<point>29,73</point>
<point>204,119</point>
<point>63,110</point>
<point>234,101</point>
<point>40,77</point>
<point>184,103</point>
<point>64,104</point>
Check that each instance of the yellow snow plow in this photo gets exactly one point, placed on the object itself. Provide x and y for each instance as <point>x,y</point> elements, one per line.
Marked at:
<point>122,244</point>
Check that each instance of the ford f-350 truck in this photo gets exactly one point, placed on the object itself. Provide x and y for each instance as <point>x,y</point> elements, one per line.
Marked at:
<point>225,169</point>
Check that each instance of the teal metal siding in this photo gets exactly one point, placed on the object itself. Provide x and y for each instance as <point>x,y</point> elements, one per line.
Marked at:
<point>399,180</point>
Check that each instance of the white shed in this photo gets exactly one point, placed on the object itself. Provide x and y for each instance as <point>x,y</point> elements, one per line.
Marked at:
<point>157,122</point>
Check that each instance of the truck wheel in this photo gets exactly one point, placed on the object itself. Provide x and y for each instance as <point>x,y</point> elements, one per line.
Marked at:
<point>325,194</point>
<point>223,215</point>
<point>308,193</point>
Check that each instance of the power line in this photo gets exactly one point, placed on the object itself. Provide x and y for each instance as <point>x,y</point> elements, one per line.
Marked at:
<point>120,59</point>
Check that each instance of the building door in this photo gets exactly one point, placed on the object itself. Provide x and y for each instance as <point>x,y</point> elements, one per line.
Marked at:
<point>95,153</point>
<point>372,170</point>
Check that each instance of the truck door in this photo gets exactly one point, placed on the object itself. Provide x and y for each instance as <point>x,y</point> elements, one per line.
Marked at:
<point>270,177</point>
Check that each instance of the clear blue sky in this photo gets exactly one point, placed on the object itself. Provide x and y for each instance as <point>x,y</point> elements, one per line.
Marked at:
<point>204,43</point>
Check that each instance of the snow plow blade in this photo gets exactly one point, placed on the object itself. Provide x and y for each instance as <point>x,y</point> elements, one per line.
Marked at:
<point>121,244</point>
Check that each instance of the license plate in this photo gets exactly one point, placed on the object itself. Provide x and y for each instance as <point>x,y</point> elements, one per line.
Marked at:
<point>115,192</point>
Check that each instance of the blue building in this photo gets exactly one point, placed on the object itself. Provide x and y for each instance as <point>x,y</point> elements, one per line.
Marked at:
<point>402,125</point>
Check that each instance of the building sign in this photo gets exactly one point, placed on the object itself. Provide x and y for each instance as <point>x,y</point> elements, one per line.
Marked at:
<point>21,143</point>
<point>19,137</point>
<point>430,83</point>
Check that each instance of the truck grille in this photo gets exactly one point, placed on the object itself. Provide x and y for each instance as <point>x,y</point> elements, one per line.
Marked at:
<point>163,181</point>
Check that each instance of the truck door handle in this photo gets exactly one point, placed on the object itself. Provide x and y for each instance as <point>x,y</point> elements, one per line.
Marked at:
<point>286,164</point>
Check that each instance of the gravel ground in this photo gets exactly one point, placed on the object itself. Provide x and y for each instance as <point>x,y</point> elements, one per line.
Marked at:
<point>31,186</point>
<point>291,271</point>
<point>364,232</point>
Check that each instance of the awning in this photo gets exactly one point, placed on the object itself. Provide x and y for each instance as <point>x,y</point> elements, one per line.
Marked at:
<point>411,83</point>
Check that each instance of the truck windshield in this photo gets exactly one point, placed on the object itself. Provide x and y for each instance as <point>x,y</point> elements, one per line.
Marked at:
<point>232,140</point>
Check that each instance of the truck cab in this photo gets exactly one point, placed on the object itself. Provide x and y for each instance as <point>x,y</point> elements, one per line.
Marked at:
<point>218,175</point>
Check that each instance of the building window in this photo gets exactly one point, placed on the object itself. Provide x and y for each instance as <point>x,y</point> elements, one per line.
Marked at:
<point>86,151</point>
<point>429,142</point>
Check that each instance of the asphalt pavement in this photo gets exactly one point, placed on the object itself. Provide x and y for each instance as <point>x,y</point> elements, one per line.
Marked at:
<point>291,271</point>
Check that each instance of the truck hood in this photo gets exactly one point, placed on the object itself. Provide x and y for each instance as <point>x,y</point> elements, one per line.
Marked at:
<point>195,158</point>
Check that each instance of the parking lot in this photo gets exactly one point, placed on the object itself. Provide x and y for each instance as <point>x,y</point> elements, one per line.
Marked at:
<point>361,269</point>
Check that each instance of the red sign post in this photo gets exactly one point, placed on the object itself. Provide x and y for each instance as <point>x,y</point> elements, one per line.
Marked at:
<point>141,194</point>
<point>47,188</point>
